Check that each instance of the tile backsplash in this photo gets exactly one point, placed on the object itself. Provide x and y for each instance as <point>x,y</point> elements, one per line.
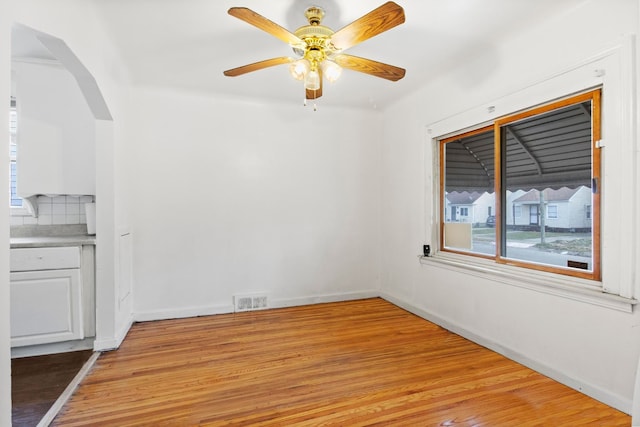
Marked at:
<point>57,210</point>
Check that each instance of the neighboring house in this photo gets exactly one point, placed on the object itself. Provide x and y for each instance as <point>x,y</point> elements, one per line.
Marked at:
<point>471,207</point>
<point>565,209</point>
<point>510,211</point>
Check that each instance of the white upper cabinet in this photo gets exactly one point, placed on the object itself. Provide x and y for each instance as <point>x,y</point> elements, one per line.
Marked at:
<point>56,132</point>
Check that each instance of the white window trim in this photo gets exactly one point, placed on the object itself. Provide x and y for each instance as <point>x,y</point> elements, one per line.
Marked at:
<point>574,288</point>
<point>614,71</point>
<point>20,211</point>
<point>15,210</point>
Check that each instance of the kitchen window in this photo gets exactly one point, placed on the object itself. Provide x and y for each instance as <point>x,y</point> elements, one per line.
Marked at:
<point>16,202</point>
<point>527,168</point>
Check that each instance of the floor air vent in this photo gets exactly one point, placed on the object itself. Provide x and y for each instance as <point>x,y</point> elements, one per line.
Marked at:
<point>249,302</point>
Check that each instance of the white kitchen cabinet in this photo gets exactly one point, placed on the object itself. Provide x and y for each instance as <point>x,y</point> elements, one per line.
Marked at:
<point>47,258</point>
<point>46,295</point>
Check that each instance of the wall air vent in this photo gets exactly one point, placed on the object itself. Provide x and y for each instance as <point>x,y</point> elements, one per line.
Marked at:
<point>250,302</point>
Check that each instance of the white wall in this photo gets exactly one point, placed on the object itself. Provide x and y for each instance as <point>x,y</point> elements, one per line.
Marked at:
<point>234,197</point>
<point>57,132</point>
<point>5,347</point>
<point>589,347</point>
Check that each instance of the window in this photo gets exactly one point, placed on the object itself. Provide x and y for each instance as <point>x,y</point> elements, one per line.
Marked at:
<point>528,168</point>
<point>16,201</point>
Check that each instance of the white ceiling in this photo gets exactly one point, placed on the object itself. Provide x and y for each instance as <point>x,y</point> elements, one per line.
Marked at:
<point>187,44</point>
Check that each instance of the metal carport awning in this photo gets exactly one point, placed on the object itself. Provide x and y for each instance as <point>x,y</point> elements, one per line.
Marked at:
<point>550,150</point>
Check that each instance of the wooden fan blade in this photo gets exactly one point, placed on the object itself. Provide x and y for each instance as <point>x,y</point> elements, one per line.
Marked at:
<point>369,66</point>
<point>258,66</point>
<point>373,23</point>
<point>315,94</point>
<point>264,24</point>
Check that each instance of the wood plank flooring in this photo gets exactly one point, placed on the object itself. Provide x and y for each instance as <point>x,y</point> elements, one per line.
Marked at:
<point>354,363</point>
<point>38,381</point>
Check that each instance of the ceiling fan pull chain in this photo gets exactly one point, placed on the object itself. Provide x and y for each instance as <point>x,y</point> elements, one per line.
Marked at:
<point>315,106</point>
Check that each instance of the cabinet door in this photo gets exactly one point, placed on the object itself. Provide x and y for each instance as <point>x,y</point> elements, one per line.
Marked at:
<point>46,307</point>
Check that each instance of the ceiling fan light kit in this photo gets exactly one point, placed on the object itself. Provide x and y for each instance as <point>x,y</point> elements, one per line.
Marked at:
<point>318,49</point>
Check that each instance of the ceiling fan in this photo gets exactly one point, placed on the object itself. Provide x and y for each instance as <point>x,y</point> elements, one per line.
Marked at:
<point>318,49</point>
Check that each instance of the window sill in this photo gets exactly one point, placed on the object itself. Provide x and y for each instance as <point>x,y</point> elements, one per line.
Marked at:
<point>20,211</point>
<point>583,290</point>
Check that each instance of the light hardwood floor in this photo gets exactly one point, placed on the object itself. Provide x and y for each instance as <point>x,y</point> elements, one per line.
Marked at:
<point>353,363</point>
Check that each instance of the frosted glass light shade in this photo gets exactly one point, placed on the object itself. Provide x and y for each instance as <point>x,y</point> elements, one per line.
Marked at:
<point>332,71</point>
<point>312,80</point>
<point>299,69</point>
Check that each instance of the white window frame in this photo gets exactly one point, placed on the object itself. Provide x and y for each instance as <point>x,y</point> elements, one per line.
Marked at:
<point>17,210</point>
<point>614,72</point>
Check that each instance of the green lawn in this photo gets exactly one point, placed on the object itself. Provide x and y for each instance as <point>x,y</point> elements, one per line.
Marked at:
<point>575,243</point>
<point>488,234</point>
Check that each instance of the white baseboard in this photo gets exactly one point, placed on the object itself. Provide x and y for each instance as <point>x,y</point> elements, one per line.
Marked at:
<point>320,299</point>
<point>122,333</point>
<point>105,344</point>
<point>615,401</point>
<point>57,347</point>
<point>112,343</point>
<point>147,316</point>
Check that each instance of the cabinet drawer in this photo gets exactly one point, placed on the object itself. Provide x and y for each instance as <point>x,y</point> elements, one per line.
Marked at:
<point>55,258</point>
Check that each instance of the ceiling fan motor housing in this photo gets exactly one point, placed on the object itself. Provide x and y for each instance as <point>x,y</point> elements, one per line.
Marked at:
<point>315,37</point>
<point>314,15</point>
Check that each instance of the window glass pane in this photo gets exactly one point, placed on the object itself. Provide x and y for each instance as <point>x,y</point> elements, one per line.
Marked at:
<point>469,198</point>
<point>13,131</point>
<point>547,177</point>
<point>15,200</point>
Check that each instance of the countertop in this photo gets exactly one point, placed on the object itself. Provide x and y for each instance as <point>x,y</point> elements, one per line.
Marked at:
<point>37,236</point>
<point>46,241</point>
